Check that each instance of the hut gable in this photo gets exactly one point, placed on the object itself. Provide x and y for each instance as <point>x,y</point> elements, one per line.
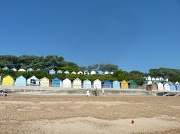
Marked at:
<point>44,82</point>
<point>8,81</point>
<point>66,83</point>
<point>21,70</point>
<point>73,72</point>
<point>80,72</point>
<point>5,68</point>
<point>59,72</point>
<point>52,71</point>
<point>20,81</point>
<point>66,72</point>
<point>124,84</point>
<point>29,70</point>
<point>55,82</point>
<point>106,72</point>
<point>100,72</point>
<point>33,81</point>
<point>77,83</point>
<point>86,72</point>
<point>14,69</point>
<point>93,72</point>
<point>87,84</point>
<point>97,84</point>
<point>116,84</point>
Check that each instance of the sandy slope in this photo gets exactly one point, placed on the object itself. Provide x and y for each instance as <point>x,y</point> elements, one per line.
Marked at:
<point>34,114</point>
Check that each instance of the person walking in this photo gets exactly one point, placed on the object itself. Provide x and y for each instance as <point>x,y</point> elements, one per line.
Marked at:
<point>102,91</point>
<point>87,93</point>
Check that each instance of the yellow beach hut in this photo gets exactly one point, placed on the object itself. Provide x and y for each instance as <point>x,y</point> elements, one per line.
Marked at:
<point>44,82</point>
<point>8,81</point>
<point>124,84</point>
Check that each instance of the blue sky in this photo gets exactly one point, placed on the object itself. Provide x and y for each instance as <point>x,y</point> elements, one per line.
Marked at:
<point>133,34</point>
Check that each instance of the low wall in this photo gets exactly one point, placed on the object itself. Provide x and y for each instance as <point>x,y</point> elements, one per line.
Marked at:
<point>72,91</point>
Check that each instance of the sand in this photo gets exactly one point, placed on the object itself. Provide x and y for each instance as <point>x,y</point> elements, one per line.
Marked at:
<point>109,114</point>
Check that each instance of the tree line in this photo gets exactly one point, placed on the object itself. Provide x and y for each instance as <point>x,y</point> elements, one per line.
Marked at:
<point>44,63</point>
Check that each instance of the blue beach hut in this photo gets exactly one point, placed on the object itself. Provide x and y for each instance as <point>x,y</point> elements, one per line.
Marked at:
<point>87,84</point>
<point>116,84</point>
<point>172,87</point>
<point>20,81</point>
<point>107,84</point>
<point>178,87</point>
<point>52,71</point>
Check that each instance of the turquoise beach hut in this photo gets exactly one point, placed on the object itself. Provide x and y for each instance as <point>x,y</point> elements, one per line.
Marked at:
<point>55,82</point>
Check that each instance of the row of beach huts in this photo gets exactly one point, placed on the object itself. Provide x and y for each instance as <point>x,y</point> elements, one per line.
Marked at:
<point>66,83</point>
<point>77,83</point>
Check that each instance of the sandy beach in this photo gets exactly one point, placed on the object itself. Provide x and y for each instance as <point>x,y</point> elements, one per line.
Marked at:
<point>78,114</point>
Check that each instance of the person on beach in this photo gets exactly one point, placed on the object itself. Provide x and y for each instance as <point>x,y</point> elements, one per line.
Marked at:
<point>102,91</point>
<point>87,93</point>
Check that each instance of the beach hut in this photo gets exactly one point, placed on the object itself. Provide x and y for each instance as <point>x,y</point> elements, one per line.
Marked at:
<point>124,84</point>
<point>59,72</point>
<point>132,84</point>
<point>5,68</point>
<point>100,72</point>
<point>66,83</point>
<point>29,70</point>
<point>93,72</point>
<point>166,87</point>
<point>14,69</point>
<point>116,84</point>
<point>86,72</point>
<point>52,71</point>
<point>77,83</point>
<point>97,84</point>
<point>33,81</point>
<point>73,72</point>
<point>56,82</point>
<point>21,70</point>
<point>154,86</point>
<point>87,84</point>
<point>107,84</point>
<point>66,72</point>
<point>80,72</point>
<point>149,78</point>
<point>178,87</point>
<point>44,82</point>
<point>160,86</point>
<point>20,81</point>
<point>111,72</point>
<point>7,81</point>
<point>106,72</point>
<point>172,87</point>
